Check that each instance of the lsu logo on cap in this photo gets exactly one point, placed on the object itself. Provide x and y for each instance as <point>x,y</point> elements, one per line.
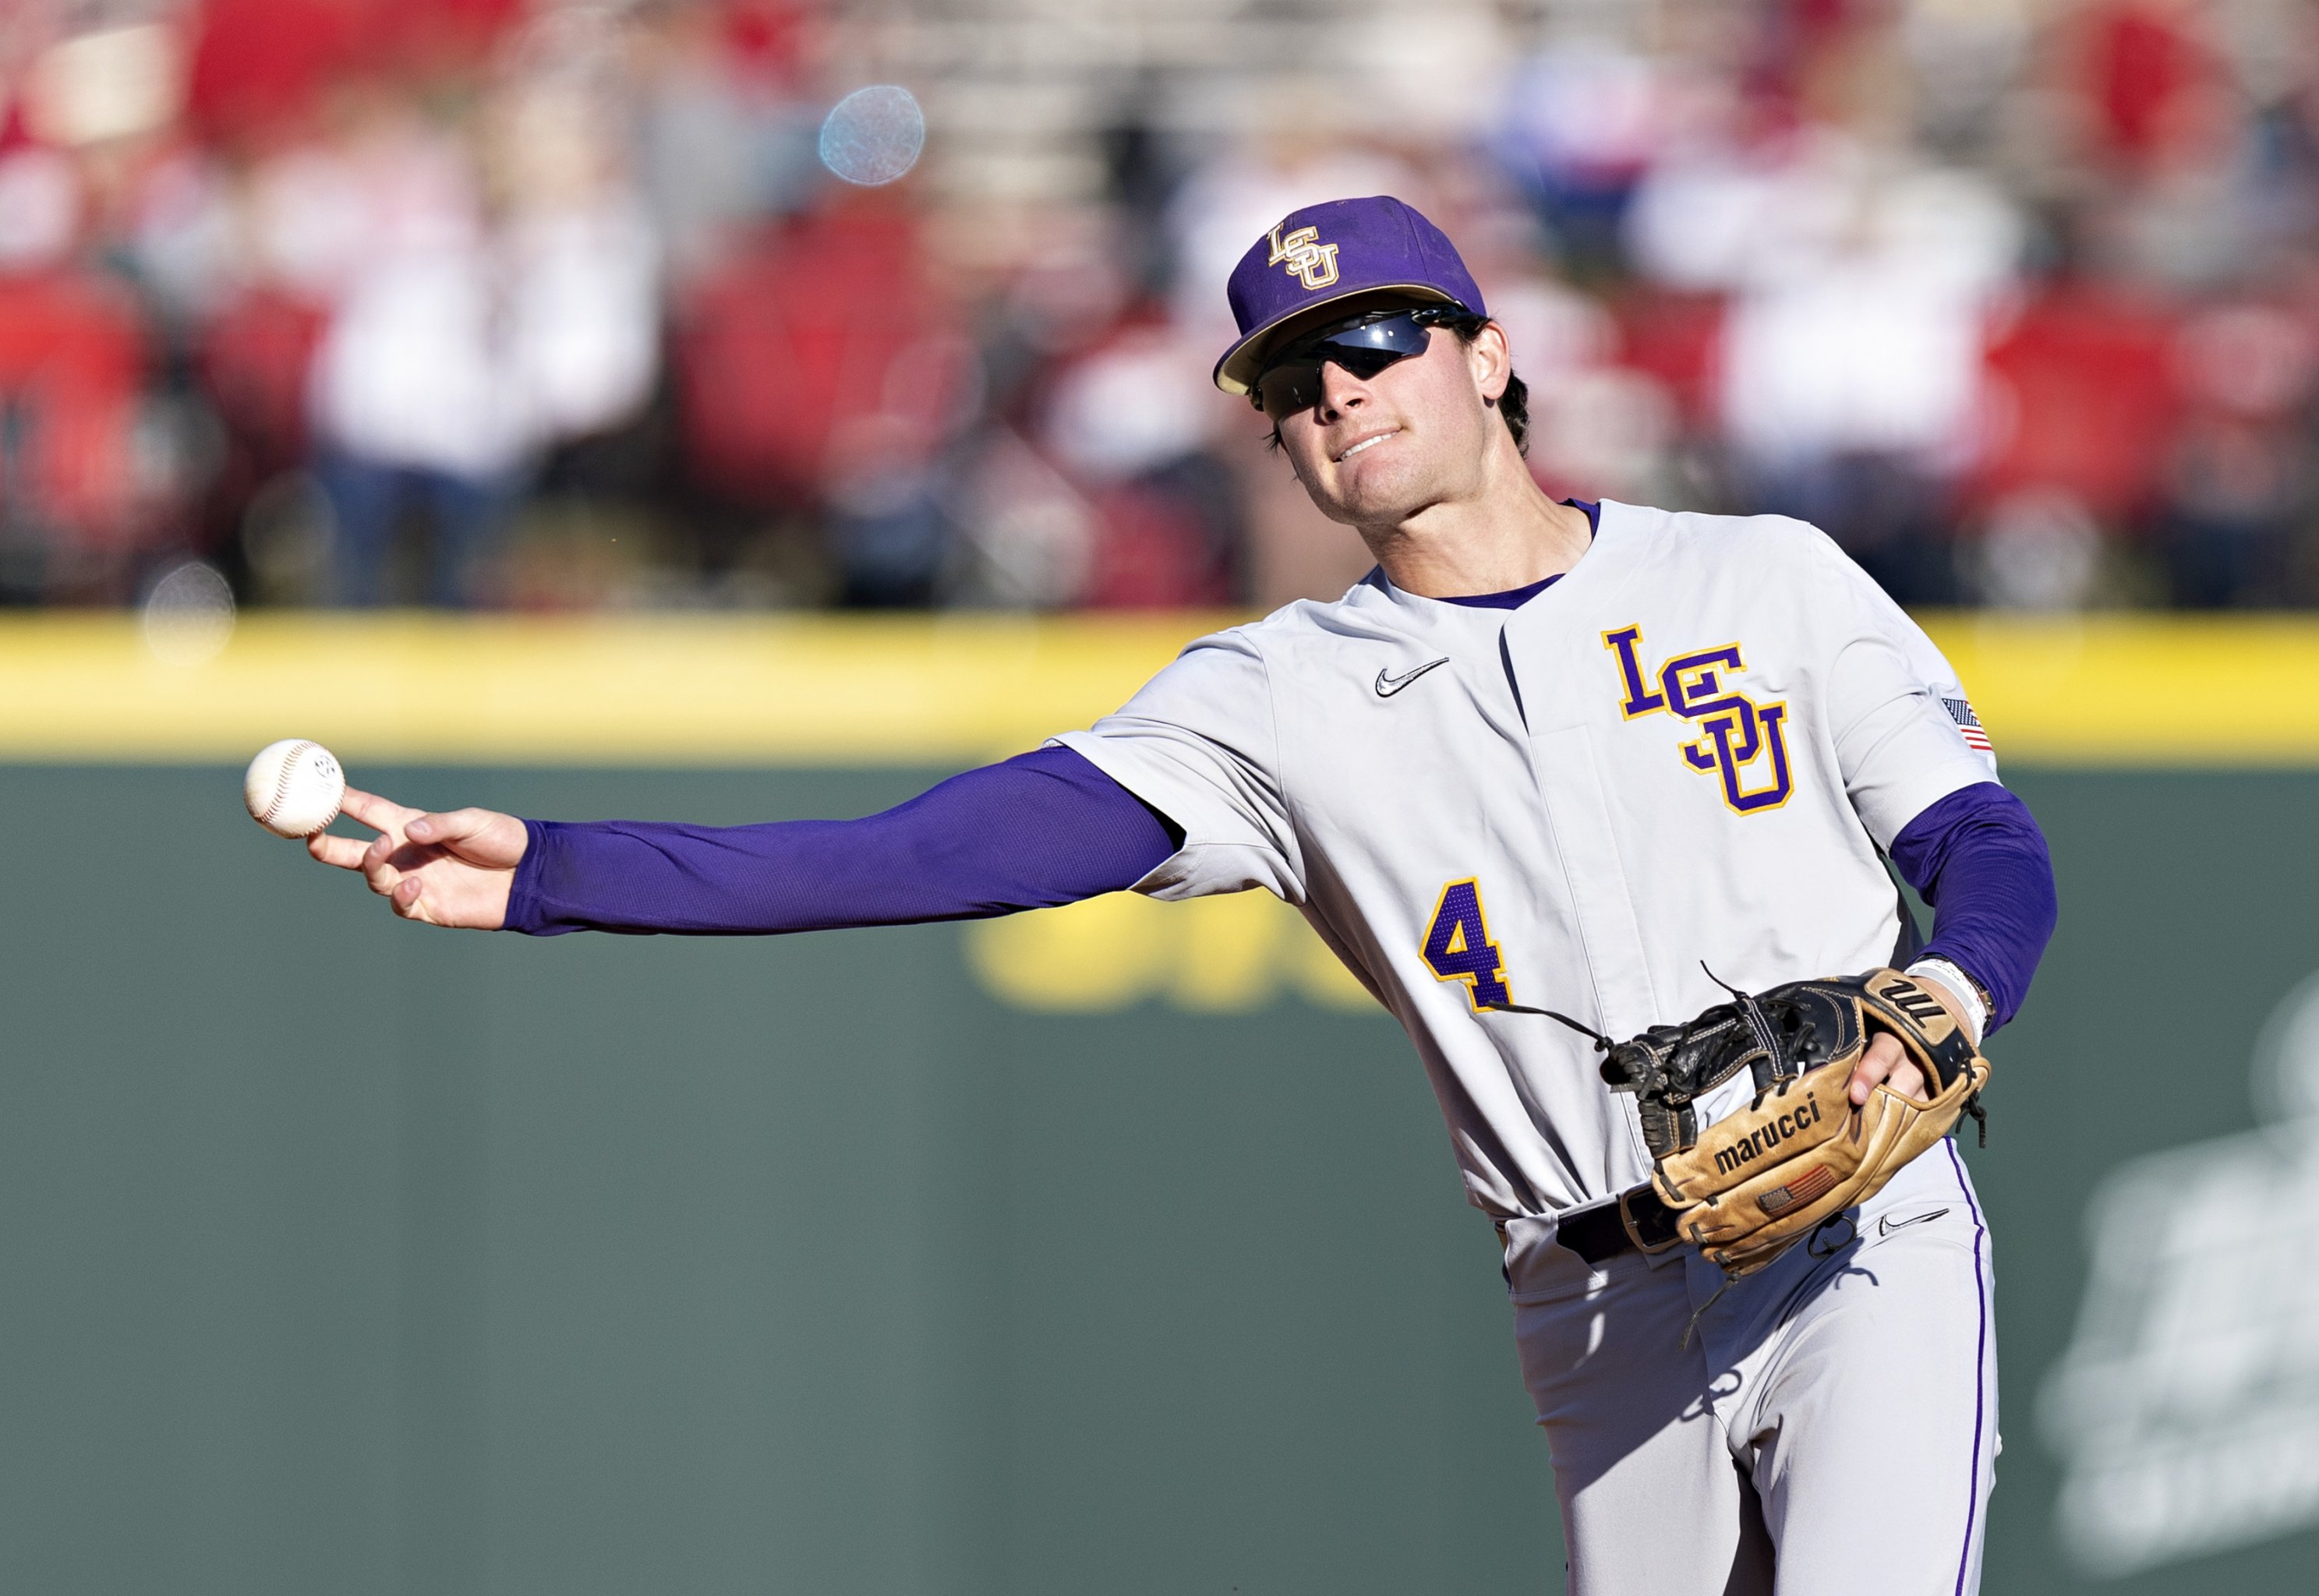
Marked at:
<point>1306,258</point>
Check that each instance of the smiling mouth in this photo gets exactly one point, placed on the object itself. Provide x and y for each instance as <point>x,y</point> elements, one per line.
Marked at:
<point>1365,443</point>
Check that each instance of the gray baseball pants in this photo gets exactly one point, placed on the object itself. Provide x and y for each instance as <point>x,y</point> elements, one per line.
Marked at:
<point>1830,1429</point>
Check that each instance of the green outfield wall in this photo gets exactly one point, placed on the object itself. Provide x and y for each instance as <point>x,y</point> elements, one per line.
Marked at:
<point>1115,1249</point>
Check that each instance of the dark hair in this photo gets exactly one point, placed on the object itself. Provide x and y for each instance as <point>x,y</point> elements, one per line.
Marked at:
<point>1513,404</point>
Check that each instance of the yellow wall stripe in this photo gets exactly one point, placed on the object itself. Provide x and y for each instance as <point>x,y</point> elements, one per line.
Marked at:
<point>722,690</point>
<point>2119,690</point>
<point>702,689</point>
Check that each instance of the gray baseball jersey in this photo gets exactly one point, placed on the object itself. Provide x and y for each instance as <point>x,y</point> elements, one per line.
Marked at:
<point>1693,748</point>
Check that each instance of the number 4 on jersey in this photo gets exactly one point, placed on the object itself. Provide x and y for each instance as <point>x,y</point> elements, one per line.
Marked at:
<point>1458,946</point>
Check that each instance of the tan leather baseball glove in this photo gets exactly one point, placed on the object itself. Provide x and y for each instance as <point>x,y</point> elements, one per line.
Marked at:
<point>1752,1185</point>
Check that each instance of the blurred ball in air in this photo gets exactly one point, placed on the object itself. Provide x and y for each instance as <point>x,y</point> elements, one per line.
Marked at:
<point>189,614</point>
<point>873,135</point>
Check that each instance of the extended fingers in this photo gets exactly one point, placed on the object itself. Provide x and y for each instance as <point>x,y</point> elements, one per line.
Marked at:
<point>354,853</point>
<point>412,851</point>
<point>345,852</point>
<point>381,814</point>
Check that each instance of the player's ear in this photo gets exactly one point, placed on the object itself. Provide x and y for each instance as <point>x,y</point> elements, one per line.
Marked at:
<point>1490,360</point>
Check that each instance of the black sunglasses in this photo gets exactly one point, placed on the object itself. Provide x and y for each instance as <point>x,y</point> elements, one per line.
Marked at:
<point>1363,346</point>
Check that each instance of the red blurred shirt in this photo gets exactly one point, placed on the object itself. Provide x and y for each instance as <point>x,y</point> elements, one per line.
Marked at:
<point>72,355</point>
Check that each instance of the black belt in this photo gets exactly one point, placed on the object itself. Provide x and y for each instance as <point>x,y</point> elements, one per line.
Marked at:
<point>1635,1221</point>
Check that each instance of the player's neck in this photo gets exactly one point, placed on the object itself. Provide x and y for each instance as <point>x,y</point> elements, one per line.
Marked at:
<point>1507,535</point>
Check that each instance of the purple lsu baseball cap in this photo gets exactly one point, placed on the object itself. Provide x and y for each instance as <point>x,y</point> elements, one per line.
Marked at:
<point>1327,252</point>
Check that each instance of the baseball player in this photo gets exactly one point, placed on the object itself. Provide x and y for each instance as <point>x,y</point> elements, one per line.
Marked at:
<point>1547,755</point>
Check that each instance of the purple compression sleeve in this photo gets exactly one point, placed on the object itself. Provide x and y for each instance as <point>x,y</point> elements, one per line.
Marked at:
<point>1979,859</point>
<point>1042,828</point>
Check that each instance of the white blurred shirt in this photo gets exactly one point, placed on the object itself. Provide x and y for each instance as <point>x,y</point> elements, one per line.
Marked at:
<point>452,345</point>
<point>1862,289</point>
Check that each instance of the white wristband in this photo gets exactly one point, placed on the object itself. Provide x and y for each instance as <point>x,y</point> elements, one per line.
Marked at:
<point>1958,985</point>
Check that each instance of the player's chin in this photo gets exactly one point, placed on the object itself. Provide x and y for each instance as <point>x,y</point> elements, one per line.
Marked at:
<point>1372,497</point>
<point>1358,494</point>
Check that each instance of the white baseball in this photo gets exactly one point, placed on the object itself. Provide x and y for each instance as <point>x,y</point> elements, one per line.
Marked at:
<point>293,787</point>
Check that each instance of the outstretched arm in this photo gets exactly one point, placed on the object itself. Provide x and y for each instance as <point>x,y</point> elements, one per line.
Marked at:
<point>1042,828</point>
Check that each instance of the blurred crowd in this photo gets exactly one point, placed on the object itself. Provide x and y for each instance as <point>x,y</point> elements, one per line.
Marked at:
<point>522,305</point>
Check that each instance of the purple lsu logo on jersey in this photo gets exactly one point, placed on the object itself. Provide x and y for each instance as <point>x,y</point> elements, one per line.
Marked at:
<point>1739,739</point>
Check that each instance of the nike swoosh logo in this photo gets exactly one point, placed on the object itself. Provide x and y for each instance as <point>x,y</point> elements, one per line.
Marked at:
<point>1887,1224</point>
<point>1387,686</point>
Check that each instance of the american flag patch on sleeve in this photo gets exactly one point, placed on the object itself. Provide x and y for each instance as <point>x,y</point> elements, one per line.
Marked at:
<point>1968,723</point>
